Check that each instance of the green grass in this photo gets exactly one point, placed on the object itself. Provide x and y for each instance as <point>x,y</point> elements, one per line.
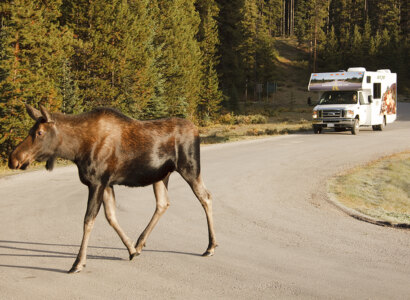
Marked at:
<point>380,189</point>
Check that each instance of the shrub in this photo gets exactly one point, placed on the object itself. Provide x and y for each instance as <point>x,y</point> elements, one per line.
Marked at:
<point>271,131</point>
<point>231,119</point>
<point>242,119</point>
<point>228,118</point>
<point>258,119</point>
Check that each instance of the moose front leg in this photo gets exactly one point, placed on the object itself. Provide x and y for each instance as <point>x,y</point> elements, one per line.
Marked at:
<point>95,198</point>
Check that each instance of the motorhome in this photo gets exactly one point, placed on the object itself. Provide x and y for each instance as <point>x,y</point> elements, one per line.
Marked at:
<point>354,98</point>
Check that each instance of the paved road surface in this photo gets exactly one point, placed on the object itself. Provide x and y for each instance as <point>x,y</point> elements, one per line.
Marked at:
<point>279,236</point>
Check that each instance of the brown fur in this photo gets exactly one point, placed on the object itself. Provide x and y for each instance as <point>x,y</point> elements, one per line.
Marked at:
<point>110,148</point>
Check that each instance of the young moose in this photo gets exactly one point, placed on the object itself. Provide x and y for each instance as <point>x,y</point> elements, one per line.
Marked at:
<point>110,148</point>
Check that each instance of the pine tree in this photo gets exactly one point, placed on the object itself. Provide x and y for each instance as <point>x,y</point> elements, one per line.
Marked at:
<point>230,68</point>
<point>386,15</point>
<point>34,48</point>
<point>210,95</point>
<point>331,55</point>
<point>248,45</point>
<point>356,47</point>
<point>180,62</point>
<point>157,105</point>
<point>340,17</point>
<point>273,14</point>
<point>316,21</point>
<point>367,34</point>
<point>301,21</point>
<point>384,53</point>
<point>71,101</point>
<point>113,64</point>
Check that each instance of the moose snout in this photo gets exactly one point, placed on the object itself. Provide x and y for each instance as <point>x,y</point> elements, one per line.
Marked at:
<point>13,163</point>
<point>16,162</point>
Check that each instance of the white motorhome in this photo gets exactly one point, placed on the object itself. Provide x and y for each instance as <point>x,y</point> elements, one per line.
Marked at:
<point>354,98</point>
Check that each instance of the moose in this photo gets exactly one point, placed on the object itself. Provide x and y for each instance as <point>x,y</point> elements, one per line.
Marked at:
<point>110,149</point>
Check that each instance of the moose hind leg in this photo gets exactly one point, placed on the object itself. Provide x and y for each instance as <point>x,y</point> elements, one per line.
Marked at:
<point>162,203</point>
<point>205,198</point>
<point>109,208</point>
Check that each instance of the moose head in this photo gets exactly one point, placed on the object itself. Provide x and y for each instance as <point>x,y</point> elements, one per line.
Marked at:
<point>41,144</point>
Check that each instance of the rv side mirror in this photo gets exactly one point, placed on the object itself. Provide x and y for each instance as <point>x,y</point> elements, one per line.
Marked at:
<point>370,99</point>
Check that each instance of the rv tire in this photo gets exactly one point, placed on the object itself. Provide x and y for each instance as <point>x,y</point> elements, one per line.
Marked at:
<point>381,126</point>
<point>317,129</point>
<point>355,128</point>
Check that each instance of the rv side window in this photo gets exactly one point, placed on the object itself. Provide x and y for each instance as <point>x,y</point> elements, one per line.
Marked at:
<point>377,90</point>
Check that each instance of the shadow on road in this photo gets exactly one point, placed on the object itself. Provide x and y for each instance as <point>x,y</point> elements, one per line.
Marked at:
<point>34,268</point>
<point>17,245</point>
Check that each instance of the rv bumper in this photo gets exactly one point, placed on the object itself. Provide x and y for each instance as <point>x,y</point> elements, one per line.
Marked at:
<point>334,123</point>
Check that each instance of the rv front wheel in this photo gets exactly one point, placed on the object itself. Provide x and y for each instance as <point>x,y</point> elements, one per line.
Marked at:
<point>317,129</point>
<point>355,129</point>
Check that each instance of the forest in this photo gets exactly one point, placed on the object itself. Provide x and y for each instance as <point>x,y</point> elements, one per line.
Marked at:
<point>184,58</point>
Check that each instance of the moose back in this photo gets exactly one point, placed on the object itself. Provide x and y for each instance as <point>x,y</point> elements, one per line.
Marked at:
<point>110,148</point>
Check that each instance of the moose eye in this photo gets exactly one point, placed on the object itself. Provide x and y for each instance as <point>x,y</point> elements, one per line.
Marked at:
<point>40,132</point>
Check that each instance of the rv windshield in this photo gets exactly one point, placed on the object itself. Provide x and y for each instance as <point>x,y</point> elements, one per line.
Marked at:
<point>338,97</point>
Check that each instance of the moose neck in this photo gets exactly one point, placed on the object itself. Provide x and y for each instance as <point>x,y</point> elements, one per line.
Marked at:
<point>71,134</point>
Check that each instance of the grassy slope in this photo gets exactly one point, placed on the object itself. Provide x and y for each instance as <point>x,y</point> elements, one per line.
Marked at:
<point>380,189</point>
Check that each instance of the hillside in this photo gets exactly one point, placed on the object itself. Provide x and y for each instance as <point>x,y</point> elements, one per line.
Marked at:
<point>292,72</point>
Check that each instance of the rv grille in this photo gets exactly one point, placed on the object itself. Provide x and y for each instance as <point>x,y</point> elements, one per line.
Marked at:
<point>331,113</point>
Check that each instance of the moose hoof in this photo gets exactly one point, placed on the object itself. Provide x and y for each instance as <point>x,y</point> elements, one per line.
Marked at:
<point>133,255</point>
<point>75,269</point>
<point>208,253</point>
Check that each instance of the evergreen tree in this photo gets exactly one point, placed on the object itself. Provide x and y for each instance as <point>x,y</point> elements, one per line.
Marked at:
<point>357,54</point>
<point>272,10</point>
<point>71,101</point>
<point>316,20</point>
<point>331,55</point>
<point>156,106</point>
<point>386,15</point>
<point>248,45</point>
<point>339,16</point>
<point>210,95</point>
<point>367,34</point>
<point>34,46</point>
<point>181,61</point>
<point>301,21</point>
<point>230,68</point>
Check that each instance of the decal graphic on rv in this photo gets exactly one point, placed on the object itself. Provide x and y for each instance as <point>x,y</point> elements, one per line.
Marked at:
<point>389,101</point>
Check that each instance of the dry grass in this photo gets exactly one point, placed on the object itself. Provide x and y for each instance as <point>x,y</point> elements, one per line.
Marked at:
<point>279,121</point>
<point>380,189</point>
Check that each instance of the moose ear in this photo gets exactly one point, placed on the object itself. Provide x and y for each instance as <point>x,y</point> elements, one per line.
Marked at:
<point>33,113</point>
<point>46,115</point>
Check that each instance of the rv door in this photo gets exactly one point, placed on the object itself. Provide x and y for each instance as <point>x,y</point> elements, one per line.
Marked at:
<point>364,110</point>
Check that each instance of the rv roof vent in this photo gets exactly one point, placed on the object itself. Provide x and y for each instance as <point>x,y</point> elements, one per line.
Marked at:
<point>356,69</point>
<point>384,71</point>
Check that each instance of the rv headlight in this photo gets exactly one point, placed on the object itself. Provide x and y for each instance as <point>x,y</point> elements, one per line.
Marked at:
<point>349,113</point>
<point>314,114</point>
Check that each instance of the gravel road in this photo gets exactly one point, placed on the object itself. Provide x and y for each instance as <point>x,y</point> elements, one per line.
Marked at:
<point>278,235</point>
